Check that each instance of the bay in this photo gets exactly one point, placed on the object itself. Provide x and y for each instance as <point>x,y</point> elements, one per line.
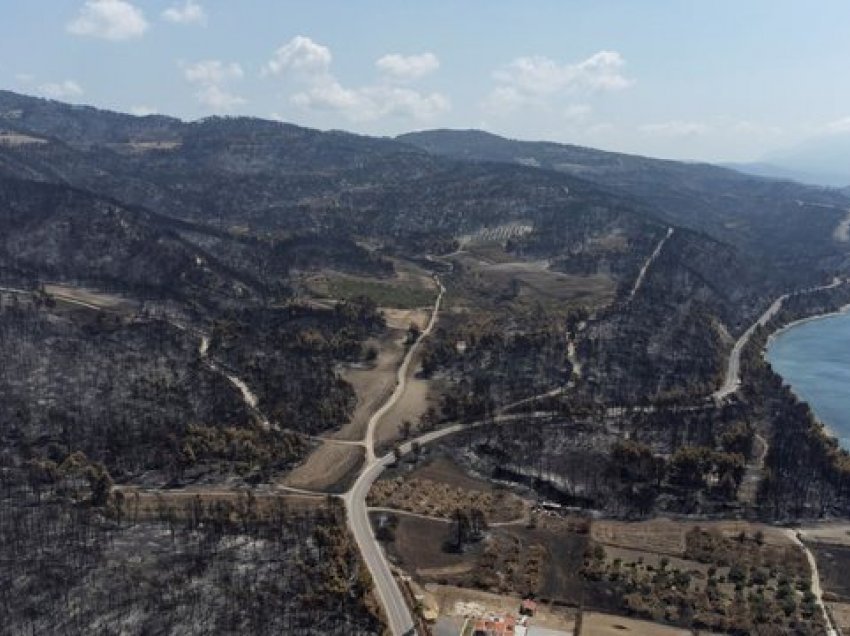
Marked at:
<point>813,357</point>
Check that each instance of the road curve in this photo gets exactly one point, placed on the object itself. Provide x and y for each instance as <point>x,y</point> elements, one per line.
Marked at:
<point>399,618</point>
<point>732,379</point>
<point>401,378</point>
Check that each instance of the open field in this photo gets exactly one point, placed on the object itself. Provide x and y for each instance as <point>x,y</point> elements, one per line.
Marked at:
<point>832,533</point>
<point>403,318</point>
<point>372,383</point>
<point>418,549</point>
<point>666,536</point>
<point>834,569</point>
<point>492,278</point>
<point>411,406</point>
<point>329,468</point>
<point>140,505</point>
<point>410,288</point>
<point>840,616</point>
<point>544,561</point>
<point>444,470</point>
<point>596,624</point>
<point>439,488</point>
<point>434,499</point>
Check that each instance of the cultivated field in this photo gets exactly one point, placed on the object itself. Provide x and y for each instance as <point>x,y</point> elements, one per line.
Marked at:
<point>439,488</point>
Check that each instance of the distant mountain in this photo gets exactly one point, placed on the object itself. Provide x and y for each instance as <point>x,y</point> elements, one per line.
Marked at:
<point>756,215</point>
<point>416,194</point>
<point>824,160</point>
<point>57,233</point>
<point>778,172</point>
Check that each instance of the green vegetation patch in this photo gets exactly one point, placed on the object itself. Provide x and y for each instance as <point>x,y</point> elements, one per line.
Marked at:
<point>402,296</point>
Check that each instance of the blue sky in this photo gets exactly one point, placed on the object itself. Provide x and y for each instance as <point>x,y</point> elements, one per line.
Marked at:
<point>711,80</point>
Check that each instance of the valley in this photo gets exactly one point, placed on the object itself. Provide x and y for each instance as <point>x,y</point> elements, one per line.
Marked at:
<point>352,384</point>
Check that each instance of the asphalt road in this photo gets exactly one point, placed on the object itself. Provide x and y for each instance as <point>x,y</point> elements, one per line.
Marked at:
<point>732,379</point>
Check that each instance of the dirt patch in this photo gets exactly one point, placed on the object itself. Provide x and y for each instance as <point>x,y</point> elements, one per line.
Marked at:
<point>372,384</point>
<point>840,616</point>
<point>531,282</point>
<point>612,625</point>
<point>330,468</point>
<point>565,546</point>
<point>666,536</point>
<point>418,549</point>
<point>410,407</point>
<point>545,561</point>
<point>658,535</point>
<point>88,298</point>
<point>834,569</point>
<point>832,533</point>
<point>402,318</point>
<point>17,139</point>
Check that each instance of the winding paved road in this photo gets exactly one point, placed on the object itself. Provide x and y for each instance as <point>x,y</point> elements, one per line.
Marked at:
<point>399,619</point>
<point>732,380</point>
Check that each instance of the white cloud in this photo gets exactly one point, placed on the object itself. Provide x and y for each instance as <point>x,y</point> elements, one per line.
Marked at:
<point>60,90</point>
<point>534,79</point>
<point>212,71</point>
<point>188,13</point>
<point>407,68</point>
<point>322,91</point>
<point>218,99</point>
<point>577,112</point>
<point>837,126</point>
<point>108,19</point>
<point>212,76</point>
<point>299,54</point>
<point>675,129</point>
<point>370,103</point>
<point>143,111</point>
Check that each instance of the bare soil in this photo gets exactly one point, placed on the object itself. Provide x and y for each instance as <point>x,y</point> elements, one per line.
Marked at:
<point>330,468</point>
<point>611,625</point>
<point>372,383</point>
<point>832,533</point>
<point>97,300</point>
<point>418,549</point>
<point>666,536</point>
<point>840,616</point>
<point>417,397</point>
<point>834,569</point>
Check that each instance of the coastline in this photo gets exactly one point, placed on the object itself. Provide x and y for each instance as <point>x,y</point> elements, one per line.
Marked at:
<point>796,323</point>
<point>843,311</point>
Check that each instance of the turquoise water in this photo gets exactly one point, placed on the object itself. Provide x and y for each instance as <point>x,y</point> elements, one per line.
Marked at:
<point>814,358</point>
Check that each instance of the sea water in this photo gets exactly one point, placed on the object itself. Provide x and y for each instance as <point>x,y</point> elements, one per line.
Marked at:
<point>813,357</point>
